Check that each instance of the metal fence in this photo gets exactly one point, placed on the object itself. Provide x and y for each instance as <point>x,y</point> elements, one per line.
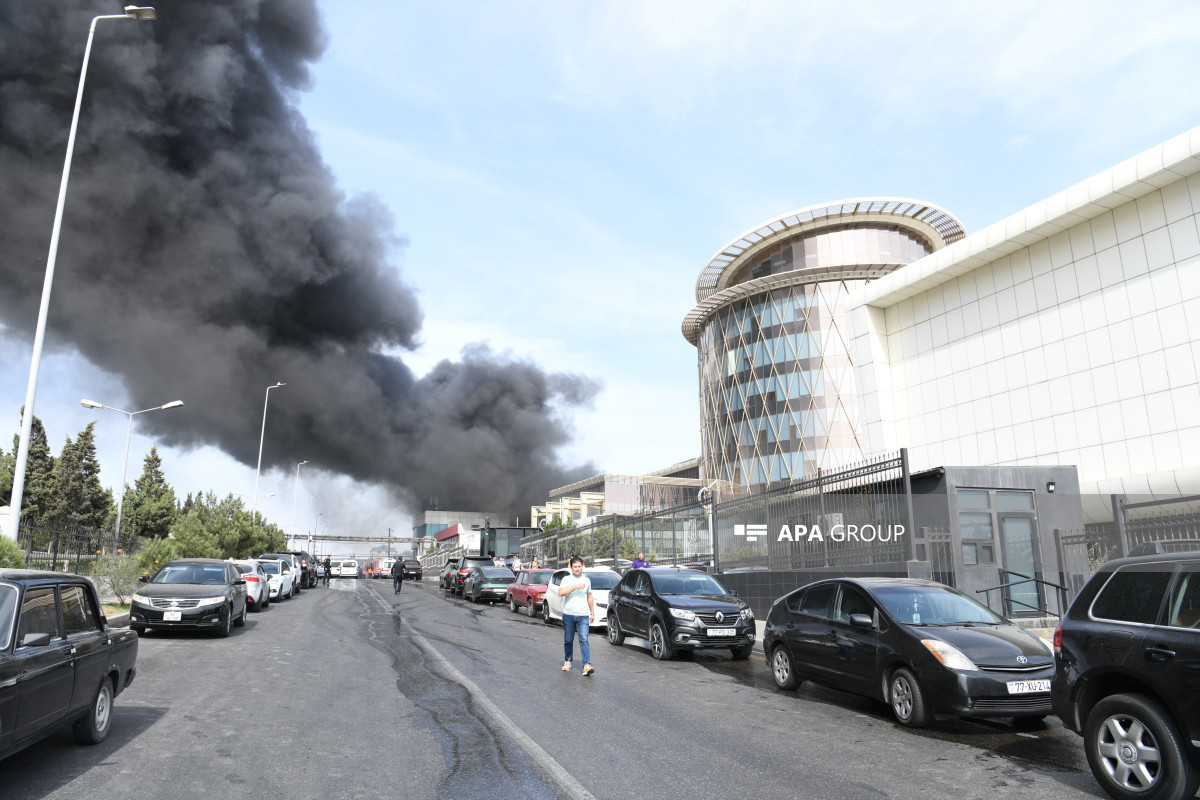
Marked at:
<point>65,548</point>
<point>670,536</point>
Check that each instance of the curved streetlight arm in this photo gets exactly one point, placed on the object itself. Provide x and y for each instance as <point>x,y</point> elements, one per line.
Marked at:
<point>261,438</point>
<point>39,336</point>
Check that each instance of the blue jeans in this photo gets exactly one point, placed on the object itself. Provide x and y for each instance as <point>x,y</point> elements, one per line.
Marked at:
<point>572,624</point>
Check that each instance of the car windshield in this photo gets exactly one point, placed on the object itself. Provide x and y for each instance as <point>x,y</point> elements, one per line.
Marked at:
<point>412,563</point>
<point>270,567</point>
<point>8,609</point>
<point>685,583</point>
<point>350,564</point>
<point>933,605</point>
<point>191,573</point>
<point>497,572</point>
<point>540,577</point>
<point>602,580</point>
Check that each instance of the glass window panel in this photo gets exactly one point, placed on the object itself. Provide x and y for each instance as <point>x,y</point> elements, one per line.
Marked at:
<point>1132,595</point>
<point>975,526</point>
<point>1183,606</point>
<point>972,498</point>
<point>1014,501</point>
<point>969,555</point>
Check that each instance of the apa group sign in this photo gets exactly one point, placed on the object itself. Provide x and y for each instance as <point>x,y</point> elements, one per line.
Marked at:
<point>836,533</point>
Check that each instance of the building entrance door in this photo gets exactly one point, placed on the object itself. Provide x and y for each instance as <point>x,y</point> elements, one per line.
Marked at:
<point>1018,541</point>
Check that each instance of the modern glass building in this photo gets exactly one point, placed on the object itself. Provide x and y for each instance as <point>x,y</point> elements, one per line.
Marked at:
<point>779,398</point>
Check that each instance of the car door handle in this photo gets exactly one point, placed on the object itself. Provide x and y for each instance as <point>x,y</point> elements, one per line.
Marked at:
<point>1159,653</point>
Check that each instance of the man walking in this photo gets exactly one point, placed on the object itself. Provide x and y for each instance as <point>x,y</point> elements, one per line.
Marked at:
<point>398,575</point>
<point>579,610</point>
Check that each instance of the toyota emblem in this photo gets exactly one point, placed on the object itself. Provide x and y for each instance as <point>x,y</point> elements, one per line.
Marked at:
<point>720,617</point>
<point>1022,660</point>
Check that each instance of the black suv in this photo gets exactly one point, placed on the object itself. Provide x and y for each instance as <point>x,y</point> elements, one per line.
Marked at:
<point>413,569</point>
<point>1127,675</point>
<point>454,580</point>
<point>308,568</point>
<point>449,570</point>
<point>679,609</point>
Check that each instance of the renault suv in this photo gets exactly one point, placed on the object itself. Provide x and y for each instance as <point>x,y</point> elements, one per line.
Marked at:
<point>1128,675</point>
<point>679,609</point>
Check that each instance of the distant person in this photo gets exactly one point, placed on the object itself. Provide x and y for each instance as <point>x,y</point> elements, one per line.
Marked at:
<point>516,567</point>
<point>497,561</point>
<point>536,564</point>
<point>578,614</point>
<point>640,562</point>
<point>397,575</point>
<point>328,569</point>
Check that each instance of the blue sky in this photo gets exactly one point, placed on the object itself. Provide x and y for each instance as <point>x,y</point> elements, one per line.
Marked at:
<point>561,172</point>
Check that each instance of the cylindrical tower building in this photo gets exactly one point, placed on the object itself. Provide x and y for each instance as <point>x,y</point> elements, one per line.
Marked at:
<point>777,389</point>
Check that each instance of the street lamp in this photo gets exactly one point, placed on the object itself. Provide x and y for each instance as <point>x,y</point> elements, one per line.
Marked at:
<point>296,496</point>
<point>125,463</point>
<point>262,436</point>
<point>39,336</point>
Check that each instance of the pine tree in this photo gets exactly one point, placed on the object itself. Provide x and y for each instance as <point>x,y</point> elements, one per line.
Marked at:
<point>149,508</point>
<point>77,498</point>
<point>39,467</point>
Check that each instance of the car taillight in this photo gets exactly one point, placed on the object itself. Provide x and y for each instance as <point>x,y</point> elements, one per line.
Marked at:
<point>462,572</point>
<point>252,578</point>
<point>1058,640</point>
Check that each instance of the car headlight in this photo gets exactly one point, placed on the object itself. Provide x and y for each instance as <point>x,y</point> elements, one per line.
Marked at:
<point>141,598</point>
<point>747,614</point>
<point>949,655</point>
<point>211,601</point>
<point>683,613</point>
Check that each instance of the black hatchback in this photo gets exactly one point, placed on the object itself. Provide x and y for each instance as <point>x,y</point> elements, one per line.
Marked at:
<point>922,647</point>
<point>1128,676</point>
<point>679,609</point>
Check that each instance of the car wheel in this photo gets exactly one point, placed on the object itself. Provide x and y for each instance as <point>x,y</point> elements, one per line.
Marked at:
<point>93,726</point>
<point>241,621</point>
<point>226,623</point>
<point>529,609</point>
<point>742,653</point>
<point>266,600</point>
<point>907,699</point>
<point>783,670</point>
<point>545,612</point>
<point>615,637</point>
<point>1135,752</point>
<point>660,646</point>
<point>512,605</point>
<point>137,627</point>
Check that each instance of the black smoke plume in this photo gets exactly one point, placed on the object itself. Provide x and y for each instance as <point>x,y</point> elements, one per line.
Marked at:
<point>207,252</point>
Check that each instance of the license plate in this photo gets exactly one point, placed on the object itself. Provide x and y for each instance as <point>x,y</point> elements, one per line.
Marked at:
<point>172,616</point>
<point>1028,687</point>
<point>722,632</point>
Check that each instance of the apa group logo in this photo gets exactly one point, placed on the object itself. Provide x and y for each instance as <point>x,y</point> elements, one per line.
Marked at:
<point>752,533</point>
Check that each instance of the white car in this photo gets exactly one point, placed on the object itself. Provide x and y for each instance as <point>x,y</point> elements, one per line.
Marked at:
<point>258,585</point>
<point>603,579</point>
<point>293,562</point>
<point>279,578</point>
<point>344,569</point>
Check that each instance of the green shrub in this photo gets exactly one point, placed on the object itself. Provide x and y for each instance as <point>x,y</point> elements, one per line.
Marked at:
<point>155,553</point>
<point>119,574</point>
<point>11,554</point>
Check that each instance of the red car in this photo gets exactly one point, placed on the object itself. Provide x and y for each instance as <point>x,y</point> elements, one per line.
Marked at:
<point>528,589</point>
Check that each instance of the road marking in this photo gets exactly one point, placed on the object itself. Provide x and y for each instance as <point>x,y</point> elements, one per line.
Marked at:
<point>571,787</point>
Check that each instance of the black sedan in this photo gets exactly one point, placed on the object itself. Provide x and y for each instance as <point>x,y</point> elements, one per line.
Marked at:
<point>919,646</point>
<point>679,609</point>
<point>191,593</point>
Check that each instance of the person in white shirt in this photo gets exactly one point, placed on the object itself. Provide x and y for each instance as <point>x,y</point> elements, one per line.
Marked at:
<point>579,611</point>
<point>516,567</point>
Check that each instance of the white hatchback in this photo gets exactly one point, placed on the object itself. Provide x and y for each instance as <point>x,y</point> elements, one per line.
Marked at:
<point>279,578</point>
<point>603,579</point>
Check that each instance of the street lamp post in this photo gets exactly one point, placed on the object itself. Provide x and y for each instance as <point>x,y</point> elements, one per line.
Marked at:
<point>125,463</point>
<point>39,336</point>
<point>261,437</point>
<point>296,496</point>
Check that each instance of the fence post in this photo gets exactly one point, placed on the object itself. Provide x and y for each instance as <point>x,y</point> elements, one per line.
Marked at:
<point>1118,508</point>
<point>821,515</point>
<point>712,530</point>
<point>909,526</point>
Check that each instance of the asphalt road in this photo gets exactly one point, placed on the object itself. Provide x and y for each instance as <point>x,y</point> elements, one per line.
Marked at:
<point>352,691</point>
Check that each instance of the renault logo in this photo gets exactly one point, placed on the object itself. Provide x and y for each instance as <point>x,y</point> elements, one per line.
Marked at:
<point>720,617</point>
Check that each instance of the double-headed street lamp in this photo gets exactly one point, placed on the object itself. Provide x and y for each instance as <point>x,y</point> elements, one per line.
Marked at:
<point>39,336</point>
<point>125,463</point>
<point>262,436</point>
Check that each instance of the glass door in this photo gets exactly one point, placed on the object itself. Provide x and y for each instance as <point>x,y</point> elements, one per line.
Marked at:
<point>1018,542</point>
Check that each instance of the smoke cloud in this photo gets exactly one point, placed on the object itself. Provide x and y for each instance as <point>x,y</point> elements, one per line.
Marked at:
<point>207,253</point>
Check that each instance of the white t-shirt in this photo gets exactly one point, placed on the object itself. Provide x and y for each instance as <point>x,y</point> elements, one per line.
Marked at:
<point>576,603</point>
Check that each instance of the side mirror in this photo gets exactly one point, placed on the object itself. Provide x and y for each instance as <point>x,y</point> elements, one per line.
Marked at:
<point>143,579</point>
<point>861,621</point>
<point>240,582</point>
<point>732,592</point>
<point>35,640</point>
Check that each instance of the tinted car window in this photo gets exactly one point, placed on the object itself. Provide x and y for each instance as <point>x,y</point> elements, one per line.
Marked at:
<point>271,567</point>
<point>1183,604</point>
<point>8,607</point>
<point>852,601</point>
<point>1132,596</point>
<point>77,612</point>
<point>816,601</point>
<point>39,614</point>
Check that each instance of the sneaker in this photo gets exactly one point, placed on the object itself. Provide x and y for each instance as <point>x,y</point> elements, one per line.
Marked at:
<point>566,666</point>
<point>588,670</point>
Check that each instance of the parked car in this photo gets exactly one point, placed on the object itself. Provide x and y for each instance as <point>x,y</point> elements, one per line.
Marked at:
<point>679,609</point>
<point>528,590</point>
<point>279,578</point>
<point>922,647</point>
<point>413,569</point>
<point>190,593</point>
<point>464,568</point>
<point>308,568</point>
<point>345,568</point>
<point>487,583</point>
<point>60,664</point>
<point>294,563</point>
<point>258,585</point>
<point>1128,675</point>
<point>603,580</point>
<point>449,571</point>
